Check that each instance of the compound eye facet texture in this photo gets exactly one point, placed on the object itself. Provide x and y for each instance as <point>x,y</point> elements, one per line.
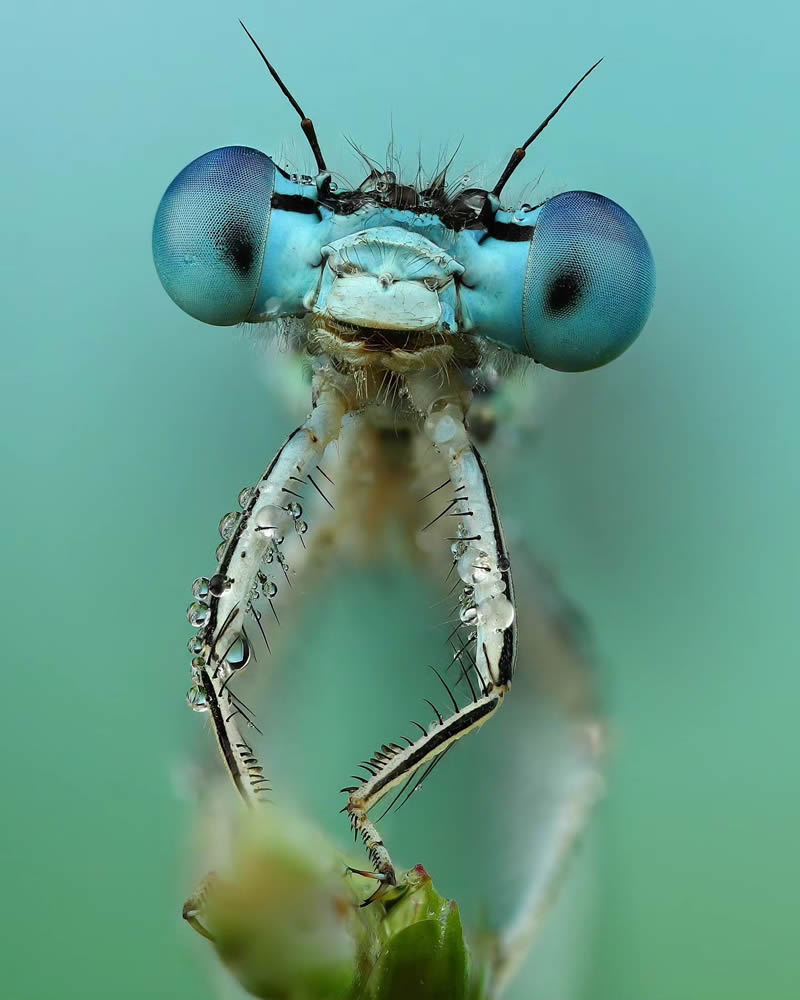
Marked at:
<point>210,231</point>
<point>589,282</point>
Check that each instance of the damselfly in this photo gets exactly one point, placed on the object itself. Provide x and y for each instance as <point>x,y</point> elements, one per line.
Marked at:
<point>410,304</point>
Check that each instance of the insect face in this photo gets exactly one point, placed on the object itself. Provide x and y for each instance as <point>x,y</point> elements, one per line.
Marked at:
<point>568,283</point>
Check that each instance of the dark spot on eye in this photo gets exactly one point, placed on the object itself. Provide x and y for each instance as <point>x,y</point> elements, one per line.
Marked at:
<point>566,288</point>
<point>236,243</point>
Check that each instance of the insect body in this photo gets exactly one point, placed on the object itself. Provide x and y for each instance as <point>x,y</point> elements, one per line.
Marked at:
<point>406,299</point>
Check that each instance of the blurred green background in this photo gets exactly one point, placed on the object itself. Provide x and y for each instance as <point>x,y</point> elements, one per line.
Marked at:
<point>665,488</point>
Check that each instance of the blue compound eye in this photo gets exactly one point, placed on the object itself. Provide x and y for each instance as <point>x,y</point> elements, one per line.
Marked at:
<point>210,232</point>
<point>589,283</point>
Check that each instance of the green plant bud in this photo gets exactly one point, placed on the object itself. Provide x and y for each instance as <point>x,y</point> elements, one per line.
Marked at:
<point>283,919</point>
<point>424,956</point>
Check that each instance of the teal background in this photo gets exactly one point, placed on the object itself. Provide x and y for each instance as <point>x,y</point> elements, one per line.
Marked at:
<point>665,488</point>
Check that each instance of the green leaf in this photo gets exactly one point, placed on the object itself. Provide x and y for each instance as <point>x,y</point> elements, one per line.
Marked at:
<point>425,955</point>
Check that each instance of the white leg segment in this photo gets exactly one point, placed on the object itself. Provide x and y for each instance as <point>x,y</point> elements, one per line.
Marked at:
<point>481,561</point>
<point>222,646</point>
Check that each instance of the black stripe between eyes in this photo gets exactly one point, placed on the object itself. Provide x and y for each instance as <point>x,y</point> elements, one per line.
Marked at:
<point>295,203</point>
<point>509,232</point>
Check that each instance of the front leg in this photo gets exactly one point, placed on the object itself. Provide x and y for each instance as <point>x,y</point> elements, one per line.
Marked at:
<point>194,906</point>
<point>486,611</point>
<point>226,603</point>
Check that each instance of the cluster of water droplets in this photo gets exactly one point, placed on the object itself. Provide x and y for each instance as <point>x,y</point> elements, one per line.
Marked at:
<point>274,521</point>
<point>198,614</point>
<point>296,512</point>
<point>199,611</point>
<point>237,653</point>
<point>483,600</point>
<point>268,587</point>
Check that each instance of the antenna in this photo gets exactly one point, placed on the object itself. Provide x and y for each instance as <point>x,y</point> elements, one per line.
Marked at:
<point>305,123</point>
<point>519,153</point>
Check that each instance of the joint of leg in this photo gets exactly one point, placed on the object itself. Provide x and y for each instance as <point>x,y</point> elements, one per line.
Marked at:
<point>355,806</point>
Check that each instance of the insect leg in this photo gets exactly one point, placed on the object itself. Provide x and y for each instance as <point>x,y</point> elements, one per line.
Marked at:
<point>257,535</point>
<point>566,826</point>
<point>483,565</point>
<point>195,904</point>
<point>562,671</point>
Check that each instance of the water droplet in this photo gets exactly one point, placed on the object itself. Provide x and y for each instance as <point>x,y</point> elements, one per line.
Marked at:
<point>269,556</point>
<point>302,527</point>
<point>196,698</point>
<point>469,615</point>
<point>442,428</point>
<point>197,613</point>
<point>198,663</point>
<point>218,584</point>
<point>466,562</point>
<point>268,587</point>
<point>480,570</point>
<point>238,654</point>
<point>220,551</point>
<point>227,524</point>
<point>295,509</point>
<point>497,612</point>
<point>200,587</point>
<point>458,549</point>
<point>271,520</point>
<point>246,495</point>
<point>503,563</point>
<point>195,644</point>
